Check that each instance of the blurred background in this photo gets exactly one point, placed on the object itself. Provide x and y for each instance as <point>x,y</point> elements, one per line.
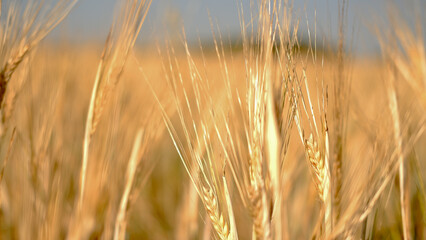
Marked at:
<point>90,20</point>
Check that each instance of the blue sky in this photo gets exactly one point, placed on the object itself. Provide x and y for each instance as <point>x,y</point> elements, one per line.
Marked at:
<point>90,19</point>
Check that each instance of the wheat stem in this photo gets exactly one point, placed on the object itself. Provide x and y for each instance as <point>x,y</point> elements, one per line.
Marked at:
<point>120,222</point>
<point>393,105</point>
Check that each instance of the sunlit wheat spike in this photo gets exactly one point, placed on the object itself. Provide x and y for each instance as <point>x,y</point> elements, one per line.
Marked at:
<point>318,166</point>
<point>212,207</point>
<point>119,44</point>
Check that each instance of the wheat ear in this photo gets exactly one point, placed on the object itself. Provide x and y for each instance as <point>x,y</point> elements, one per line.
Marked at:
<point>119,43</point>
<point>319,165</point>
<point>212,207</point>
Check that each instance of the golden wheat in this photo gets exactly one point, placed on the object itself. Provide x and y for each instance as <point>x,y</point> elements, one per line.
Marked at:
<point>262,154</point>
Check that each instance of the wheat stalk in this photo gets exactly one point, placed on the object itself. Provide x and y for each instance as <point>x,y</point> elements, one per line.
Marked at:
<point>198,148</point>
<point>120,222</point>
<point>404,199</point>
<point>317,145</point>
<point>405,56</point>
<point>341,90</point>
<point>119,43</point>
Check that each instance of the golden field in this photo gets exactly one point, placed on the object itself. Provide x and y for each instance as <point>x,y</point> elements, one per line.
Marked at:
<point>271,139</point>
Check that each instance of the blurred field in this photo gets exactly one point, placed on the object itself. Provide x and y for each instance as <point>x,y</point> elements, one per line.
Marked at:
<point>176,134</point>
<point>47,149</point>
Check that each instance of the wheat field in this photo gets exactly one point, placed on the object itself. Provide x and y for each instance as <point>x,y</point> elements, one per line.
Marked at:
<point>266,137</point>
